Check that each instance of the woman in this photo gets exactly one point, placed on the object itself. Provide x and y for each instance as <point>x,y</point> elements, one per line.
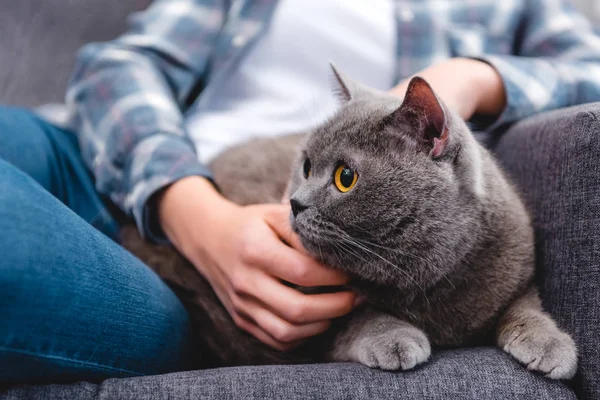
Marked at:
<point>189,78</point>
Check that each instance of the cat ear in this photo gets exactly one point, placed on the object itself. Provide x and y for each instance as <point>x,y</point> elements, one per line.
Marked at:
<point>346,88</point>
<point>341,88</point>
<point>426,116</point>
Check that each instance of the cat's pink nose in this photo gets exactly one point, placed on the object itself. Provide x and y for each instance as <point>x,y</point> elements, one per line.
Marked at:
<point>297,207</point>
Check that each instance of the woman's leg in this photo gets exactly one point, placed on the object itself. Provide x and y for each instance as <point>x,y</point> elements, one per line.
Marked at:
<point>51,157</point>
<point>75,305</point>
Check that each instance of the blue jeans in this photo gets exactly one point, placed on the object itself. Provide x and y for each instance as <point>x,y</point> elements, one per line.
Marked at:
<point>74,305</point>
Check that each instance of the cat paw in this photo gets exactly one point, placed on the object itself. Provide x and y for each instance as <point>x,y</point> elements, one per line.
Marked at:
<point>395,349</point>
<point>552,353</point>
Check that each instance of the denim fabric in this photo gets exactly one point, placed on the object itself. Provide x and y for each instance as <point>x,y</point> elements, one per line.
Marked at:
<point>51,157</point>
<point>480,373</point>
<point>73,304</point>
<point>555,160</point>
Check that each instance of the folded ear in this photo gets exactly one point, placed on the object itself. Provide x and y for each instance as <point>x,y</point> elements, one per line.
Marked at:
<point>426,117</point>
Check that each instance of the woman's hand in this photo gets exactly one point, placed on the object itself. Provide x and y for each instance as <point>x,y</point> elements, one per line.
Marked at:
<point>240,251</point>
<point>465,85</point>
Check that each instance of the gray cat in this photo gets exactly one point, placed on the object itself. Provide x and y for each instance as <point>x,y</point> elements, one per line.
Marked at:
<point>398,194</point>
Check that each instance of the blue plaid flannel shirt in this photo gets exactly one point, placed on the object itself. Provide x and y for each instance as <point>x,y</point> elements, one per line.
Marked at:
<point>128,97</point>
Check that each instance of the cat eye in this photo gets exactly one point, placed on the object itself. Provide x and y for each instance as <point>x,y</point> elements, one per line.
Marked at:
<point>345,178</point>
<point>306,168</point>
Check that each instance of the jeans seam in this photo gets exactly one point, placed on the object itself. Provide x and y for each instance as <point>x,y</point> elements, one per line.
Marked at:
<point>104,368</point>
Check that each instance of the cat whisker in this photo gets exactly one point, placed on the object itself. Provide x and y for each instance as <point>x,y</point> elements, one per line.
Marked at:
<point>345,247</point>
<point>351,241</point>
<point>349,249</point>
<point>398,251</point>
<point>320,252</point>
<point>390,249</point>
<point>334,251</point>
<point>348,239</point>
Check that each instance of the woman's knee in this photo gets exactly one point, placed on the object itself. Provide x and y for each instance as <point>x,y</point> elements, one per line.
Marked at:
<point>24,209</point>
<point>26,142</point>
<point>71,293</point>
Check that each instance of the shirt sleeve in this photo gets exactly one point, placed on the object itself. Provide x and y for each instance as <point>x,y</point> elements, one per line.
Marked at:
<point>557,62</point>
<point>127,97</point>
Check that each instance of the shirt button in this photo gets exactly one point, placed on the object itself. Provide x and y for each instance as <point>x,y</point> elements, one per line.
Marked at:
<point>406,15</point>
<point>238,40</point>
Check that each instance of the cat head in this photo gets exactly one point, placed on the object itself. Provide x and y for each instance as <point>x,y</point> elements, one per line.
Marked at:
<point>382,190</point>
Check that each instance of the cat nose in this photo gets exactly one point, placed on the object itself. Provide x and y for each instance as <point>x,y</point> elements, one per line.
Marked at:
<point>297,207</point>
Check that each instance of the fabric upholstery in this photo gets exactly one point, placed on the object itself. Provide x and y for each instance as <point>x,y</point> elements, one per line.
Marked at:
<point>39,39</point>
<point>481,373</point>
<point>555,160</point>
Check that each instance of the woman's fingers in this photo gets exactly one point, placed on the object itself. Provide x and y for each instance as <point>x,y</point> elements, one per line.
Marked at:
<point>278,218</point>
<point>290,263</point>
<point>241,314</point>
<point>294,306</point>
<point>248,282</point>
<point>292,266</point>
<point>280,330</point>
<point>247,325</point>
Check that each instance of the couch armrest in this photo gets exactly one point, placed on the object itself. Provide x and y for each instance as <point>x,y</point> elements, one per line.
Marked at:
<point>554,158</point>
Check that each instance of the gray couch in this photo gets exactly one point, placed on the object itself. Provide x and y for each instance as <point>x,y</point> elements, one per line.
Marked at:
<point>552,157</point>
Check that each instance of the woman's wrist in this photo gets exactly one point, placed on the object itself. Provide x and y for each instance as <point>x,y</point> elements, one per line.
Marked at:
<point>190,208</point>
<point>466,85</point>
<point>490,89</point>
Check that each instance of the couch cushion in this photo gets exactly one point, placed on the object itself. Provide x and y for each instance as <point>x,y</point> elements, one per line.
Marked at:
<point>480,373</point>
<point>555,160</point>
<point>39,39</point>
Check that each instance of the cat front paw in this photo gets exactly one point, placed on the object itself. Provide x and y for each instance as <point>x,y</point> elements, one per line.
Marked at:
<point>395,349</point>
<point>552,353</point>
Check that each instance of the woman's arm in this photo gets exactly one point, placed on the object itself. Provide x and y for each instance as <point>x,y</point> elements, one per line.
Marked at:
<point>557,64</point>
<point>127,96</point>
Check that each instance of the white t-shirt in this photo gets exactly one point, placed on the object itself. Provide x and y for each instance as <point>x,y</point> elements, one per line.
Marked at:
<point>284,83</point>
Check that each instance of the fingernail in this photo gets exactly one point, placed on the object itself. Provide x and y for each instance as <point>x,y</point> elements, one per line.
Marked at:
<point>359,300</point>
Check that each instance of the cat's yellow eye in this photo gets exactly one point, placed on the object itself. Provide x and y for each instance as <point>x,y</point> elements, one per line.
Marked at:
<point>345,178</point>
<point>306,168</point>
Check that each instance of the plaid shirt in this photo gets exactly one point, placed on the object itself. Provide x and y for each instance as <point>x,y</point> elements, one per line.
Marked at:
<point>128,97</point>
